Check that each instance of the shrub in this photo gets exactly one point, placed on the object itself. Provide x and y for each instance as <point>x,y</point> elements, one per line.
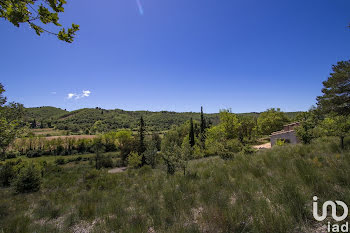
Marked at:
<point>172,159</point>
<point>197,152</point>
<point>145,169</point>
<point>119,162</point>
<point>60,161</point>
<point>233,145</point>
<point>151,154</point>
<point>226,155</point>
<point>106,162</point>
<point>134,160</point>
<point>247,149</point>
<point>91,175</point>
<point>304,135</point>
<point>7,174</point>
<point>33,153</point>
<point>280,142</point>
<point>12,154</point>
<point>28,180</point>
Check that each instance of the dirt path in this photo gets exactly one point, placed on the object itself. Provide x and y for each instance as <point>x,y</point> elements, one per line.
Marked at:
<point>263,146</point>
<point>117,170</point>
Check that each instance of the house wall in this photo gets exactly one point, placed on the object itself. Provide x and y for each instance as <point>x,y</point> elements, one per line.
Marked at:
<point>290,135</point>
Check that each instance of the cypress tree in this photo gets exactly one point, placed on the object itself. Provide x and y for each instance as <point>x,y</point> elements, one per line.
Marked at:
<point>191,135</point>
<point>203,126</point>
<point>142,147</point>
<point>33,125</point>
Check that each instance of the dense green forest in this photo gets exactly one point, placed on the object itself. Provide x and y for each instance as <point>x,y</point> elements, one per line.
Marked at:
<point>92,120</point>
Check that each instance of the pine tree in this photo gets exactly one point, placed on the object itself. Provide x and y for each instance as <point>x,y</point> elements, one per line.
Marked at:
<point>142,147</point>
<point>191,135</point>
<point>336,90</point>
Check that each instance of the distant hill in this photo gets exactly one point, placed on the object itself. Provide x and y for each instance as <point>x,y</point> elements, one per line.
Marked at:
<point>43,113</point>
<point>84,119</point>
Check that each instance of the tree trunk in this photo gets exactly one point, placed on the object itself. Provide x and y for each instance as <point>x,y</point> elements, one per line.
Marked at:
<point>342,143</point>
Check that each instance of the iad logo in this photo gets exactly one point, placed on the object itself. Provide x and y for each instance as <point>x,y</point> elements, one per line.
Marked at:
<point>334,227</point>
<point>334,210</point>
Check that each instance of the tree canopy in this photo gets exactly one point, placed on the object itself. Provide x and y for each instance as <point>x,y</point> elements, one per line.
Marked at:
<point>336,90</point>
<point>9,121</point>
<point>37,13</point>
<point>271,120</point>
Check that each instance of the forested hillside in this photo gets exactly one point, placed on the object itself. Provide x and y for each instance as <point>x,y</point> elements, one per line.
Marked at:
<point>102,120</point>
<point>43,113</point>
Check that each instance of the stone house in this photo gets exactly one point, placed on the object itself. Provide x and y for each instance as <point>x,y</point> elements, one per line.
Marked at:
<point>288,134</point>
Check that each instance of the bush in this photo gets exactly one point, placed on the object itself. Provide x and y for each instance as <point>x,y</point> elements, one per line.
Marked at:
<point>233,145</point>
<point>134,160</point>
<point>247,149</point>
<point>119,162</point>
<point>197,152</point>
<point>60,161</point>
<point>12,154</point>
<point>91,175</point>
<point>151,154</point>
<point>77,159</point>
<point>106,162</point>
<point>28,180</point>
<point>280,142</point>
<point>7,174</point>
<point>33,153</point>
<point>227,155</point>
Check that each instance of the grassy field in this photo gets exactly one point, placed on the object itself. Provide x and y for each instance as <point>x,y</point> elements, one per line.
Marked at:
<point>269,191</point>
<point>49,132</point>
<point>67,158</point>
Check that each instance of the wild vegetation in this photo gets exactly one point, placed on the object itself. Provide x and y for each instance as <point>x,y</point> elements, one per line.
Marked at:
<point>270,191</point>
<point>197,177</point>
<point>97,120</point>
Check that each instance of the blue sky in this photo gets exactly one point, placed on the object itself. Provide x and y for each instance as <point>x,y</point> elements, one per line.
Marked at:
<point>177,55</point>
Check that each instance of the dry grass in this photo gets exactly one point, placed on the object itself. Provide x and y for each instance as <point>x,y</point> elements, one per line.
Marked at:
<point>72,136</point>
<point>270,191</point>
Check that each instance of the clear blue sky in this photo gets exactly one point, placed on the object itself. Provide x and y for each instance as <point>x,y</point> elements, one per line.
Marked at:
<point>248,55</point>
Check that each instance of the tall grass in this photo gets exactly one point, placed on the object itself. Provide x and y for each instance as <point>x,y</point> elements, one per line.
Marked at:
<point>269,191</point>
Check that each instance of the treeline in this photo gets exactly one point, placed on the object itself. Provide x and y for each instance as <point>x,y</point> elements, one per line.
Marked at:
<point>192,140</point>
<point>93,121</point>
<point>121,141</point>
<point>234,134</point>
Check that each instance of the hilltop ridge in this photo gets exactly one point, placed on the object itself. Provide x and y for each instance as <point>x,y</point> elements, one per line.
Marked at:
<point>85,118</point>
